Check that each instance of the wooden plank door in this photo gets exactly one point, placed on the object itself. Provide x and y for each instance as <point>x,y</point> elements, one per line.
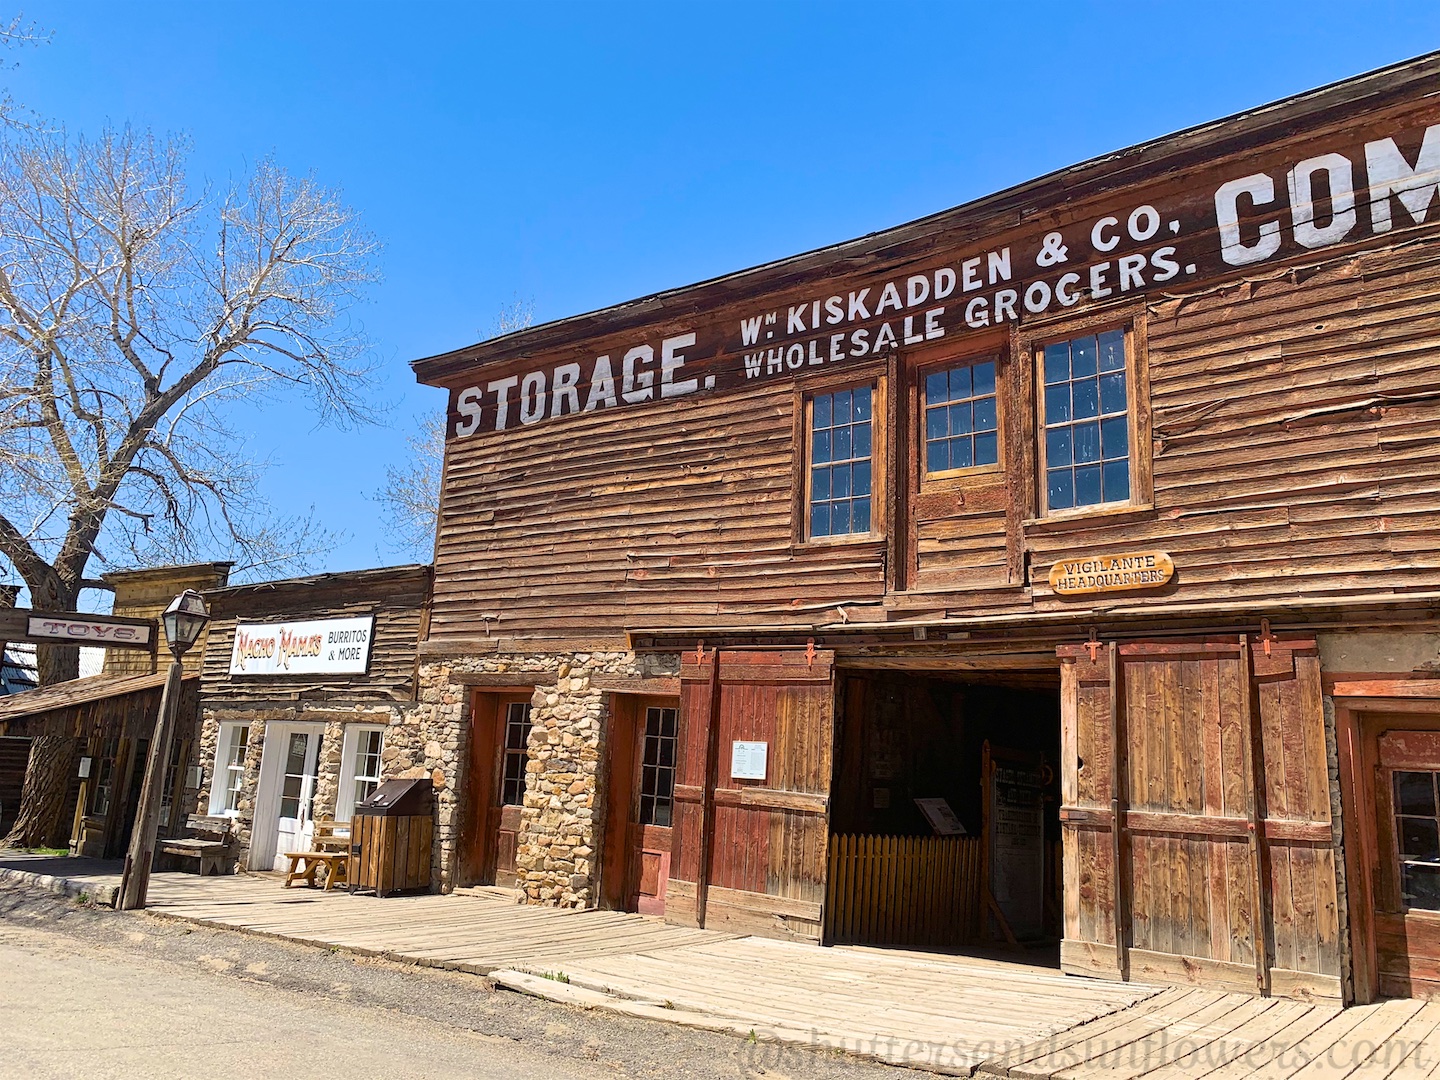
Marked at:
<point>750,854</point>
<point>1196,817</point>
<point>500,728</point>
<point>512,755</point>
<point>651,826</point>
<point>640,779</point>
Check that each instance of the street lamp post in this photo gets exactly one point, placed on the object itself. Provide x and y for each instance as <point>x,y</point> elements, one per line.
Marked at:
<point>184,619</point>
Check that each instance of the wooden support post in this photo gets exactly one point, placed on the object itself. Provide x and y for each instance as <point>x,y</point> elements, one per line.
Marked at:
<point>707,792</point>
<point>1255,781</point>
<point>1117,818</point>
<point>135,879</point>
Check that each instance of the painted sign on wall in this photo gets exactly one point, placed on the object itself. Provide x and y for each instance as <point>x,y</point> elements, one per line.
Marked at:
<point>313,647</point>
<point>1252,210</point>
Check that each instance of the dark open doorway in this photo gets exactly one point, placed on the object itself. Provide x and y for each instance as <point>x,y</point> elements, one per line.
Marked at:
<point>945,812</point>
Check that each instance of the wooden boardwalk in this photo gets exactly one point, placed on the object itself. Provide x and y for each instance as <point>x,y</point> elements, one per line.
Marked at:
<point>944,1013</point>
<point>940,1012</point>
<point>466,932</point>
<point>949,1014</point>
<point>1189,1034</point>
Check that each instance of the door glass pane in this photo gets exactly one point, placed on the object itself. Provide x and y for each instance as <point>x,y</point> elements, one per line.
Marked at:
<point>1417,836</point>
<point>1420,888</point>
<point>517,756</point>
<point>1415,793</point>
<point>293,791</point>
<point>657,769</point>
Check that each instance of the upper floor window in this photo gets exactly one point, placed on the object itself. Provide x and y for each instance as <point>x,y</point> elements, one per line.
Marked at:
<point>960,419</point>
<point>1085,417</point>
<point>841,461</point>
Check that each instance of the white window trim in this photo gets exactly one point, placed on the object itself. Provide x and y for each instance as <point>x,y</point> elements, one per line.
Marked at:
<point>220,778</point>
<point>345,791</point>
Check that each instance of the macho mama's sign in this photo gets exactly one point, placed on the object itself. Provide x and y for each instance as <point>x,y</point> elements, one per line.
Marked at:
<point>315,646</point>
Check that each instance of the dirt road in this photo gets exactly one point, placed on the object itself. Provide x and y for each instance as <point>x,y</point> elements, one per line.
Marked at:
<point>98,993</point>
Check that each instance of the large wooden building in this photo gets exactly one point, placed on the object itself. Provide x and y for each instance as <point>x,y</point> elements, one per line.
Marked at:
<point>1098,518</point>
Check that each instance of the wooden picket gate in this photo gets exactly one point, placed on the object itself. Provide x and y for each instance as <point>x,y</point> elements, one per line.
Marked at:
<point>915,891</point>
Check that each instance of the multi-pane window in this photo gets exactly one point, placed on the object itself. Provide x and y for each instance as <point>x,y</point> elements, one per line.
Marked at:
<point>229,779</point>
<point>657,767</point>
<point>960,418</point>
<point>368,747</point>
<point>234,778</point>
<point>517,738</point>
<point>1087,422</point>
<point>1417,834</point>
<point>840,462</point>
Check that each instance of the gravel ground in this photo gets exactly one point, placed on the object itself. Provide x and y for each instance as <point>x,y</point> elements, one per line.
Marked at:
<point>438,1003</point>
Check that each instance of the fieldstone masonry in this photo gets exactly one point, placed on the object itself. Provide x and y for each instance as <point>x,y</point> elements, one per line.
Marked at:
<point>396,717</point>
<point>562,821</point>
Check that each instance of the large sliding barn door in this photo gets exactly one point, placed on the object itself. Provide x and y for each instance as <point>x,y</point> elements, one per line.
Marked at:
<point>750,854</point>
<point>1210,756</point>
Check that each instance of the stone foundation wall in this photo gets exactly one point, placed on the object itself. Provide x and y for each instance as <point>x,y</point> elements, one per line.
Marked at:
<point>562,820</point>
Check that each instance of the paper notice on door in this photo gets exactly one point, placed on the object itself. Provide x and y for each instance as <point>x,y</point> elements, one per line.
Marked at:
<point>748,760</point>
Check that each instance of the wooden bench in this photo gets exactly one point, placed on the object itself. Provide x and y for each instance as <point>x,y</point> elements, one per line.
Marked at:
<point>306,866</point>
<point>212,846</point>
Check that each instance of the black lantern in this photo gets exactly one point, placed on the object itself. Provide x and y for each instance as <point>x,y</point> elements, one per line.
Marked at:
<point>184,619</point>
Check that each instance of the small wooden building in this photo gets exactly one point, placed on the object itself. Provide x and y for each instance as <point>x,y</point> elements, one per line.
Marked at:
<point>109,721</point>
<point>110,718</point>
<point>1061,566</point>
<point>306,688</point>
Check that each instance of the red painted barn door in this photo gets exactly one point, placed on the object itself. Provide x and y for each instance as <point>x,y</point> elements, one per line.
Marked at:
<point>749,854</point>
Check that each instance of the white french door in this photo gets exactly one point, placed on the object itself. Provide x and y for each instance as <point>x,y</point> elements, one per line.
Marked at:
<point>283,803</point>
<point>295,819</point>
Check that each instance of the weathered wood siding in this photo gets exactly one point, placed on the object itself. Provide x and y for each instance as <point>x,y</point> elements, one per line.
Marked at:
<point>1289,412</point>
<point>606,528</point>
<point>1212,737</point>
<point>1296,434</point>
<point>395,597</point>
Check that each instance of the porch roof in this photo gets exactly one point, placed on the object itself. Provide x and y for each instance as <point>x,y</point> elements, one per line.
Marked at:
<point>79,692</point>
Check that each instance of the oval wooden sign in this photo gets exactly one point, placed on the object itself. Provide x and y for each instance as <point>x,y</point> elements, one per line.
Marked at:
<point>1130,570</point>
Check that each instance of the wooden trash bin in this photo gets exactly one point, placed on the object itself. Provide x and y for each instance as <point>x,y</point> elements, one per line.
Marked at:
<point>390,836</point>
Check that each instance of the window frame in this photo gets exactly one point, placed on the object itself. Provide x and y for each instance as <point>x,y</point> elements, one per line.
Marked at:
<point>655,800</point>
<point>345,793</point>
<point>220,777</point>
<point>873,375</point>
<point>930,367</point>
<point>1137,389</point>
<point>509,753</point>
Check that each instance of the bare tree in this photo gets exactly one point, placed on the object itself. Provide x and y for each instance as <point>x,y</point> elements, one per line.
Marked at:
<point>133,314</point>
<point>410,499</point>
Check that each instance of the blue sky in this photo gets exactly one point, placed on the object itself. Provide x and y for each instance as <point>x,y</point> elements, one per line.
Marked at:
<point>577,155</point>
